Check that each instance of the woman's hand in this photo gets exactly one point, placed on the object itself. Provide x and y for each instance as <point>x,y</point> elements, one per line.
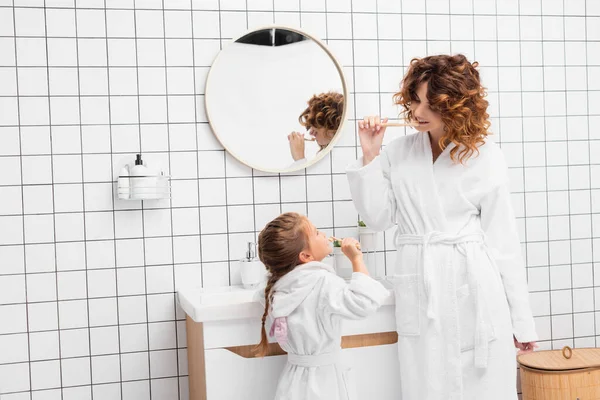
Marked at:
<point>296,140</point>
<point>370,133</point>
<point>524,347</point>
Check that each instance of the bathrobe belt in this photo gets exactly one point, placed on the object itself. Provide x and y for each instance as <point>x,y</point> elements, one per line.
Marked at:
<point>314,360</point>
<point>430,280</point>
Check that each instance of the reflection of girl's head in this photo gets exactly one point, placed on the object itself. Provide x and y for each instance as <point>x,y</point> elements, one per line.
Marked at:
<point>323,116</point>
<point>454,92</point>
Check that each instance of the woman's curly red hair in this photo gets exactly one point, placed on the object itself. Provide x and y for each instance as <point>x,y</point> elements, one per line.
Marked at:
<point>324,110</point>
<point>454,90</point>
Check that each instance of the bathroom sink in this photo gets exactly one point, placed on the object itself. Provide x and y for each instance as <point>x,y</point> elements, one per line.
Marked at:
<point>207,304</point>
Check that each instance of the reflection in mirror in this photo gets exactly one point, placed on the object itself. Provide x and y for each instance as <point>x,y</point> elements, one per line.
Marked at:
<point>275,99</point>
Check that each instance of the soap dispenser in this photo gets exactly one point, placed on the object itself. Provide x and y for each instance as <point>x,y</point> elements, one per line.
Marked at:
<point>252,271</point>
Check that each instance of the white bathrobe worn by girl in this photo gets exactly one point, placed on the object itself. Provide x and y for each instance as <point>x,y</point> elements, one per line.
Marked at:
<point>309,304</point>
<point>460,285</point>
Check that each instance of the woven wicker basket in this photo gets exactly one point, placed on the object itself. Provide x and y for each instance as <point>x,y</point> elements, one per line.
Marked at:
<point>561,375</point>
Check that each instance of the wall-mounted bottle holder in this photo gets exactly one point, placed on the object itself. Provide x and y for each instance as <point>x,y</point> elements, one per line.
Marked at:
<point>142,183</point>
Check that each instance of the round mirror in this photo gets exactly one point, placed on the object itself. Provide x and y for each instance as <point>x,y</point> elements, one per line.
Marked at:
<point>275,99</point>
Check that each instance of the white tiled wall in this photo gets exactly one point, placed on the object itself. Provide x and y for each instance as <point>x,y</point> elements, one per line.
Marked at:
<point>87,282</point>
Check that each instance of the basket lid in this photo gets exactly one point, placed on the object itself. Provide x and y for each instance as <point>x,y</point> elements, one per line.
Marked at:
<point>561,360</point>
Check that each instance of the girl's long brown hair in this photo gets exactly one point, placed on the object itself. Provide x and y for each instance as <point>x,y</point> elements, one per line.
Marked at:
<point>279,246</point>
<point>324,110</point>
<point>454,90</point>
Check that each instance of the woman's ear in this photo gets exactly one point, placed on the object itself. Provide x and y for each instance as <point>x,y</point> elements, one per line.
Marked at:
<point>305,257</point>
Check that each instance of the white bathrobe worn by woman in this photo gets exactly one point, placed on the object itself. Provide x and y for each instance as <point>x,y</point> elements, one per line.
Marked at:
<point>309,304</point>
<point>460,285</point>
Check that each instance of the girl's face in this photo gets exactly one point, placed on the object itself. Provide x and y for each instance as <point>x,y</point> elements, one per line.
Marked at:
<point>319,246</point>
<point>322,135</point>
<point>429,120</point>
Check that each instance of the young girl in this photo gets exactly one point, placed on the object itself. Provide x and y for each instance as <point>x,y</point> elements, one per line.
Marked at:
<point>308,301</point>
<point>462,302</point>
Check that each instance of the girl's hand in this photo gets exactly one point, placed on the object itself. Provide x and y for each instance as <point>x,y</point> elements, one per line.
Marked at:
<point>296,140</point>
<point>525,347</point>
<point>370,133</point>
<point>350,249</point>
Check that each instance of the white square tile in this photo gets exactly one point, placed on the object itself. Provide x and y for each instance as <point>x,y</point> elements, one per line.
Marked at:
<point>186,249</point>
<point>178,24</point>
<point>123,81</point>
<point>11,200</point>
<point>161,307</point>
<point>132,309</point>
<point>180,80</point>
<point>42,316</point>
<point>561,301</point>
<point>73,314</point>
<point>583,325</point>
<point>264,214</point>
<point>165,388</point>
<point>74,343</point>
<point>7,49</point>
<point>128,224</point>
<point>39,228</point>
<point>160,279</point>
<point>76,371</point>
<point>211,164</point>
<point>185,221</point>
<point>65,110</point>
<point>11,139</point>
<point>213,220</point>
<point>238,247</point>
<point>540,303</point>
<point>77,393</point>
<point>153,109</point>
<point>63,81</point>
<point>532,78</point>
<point>31,52</point>
<point>105,369</point>
<point>40,257</point>
<point>14,348</point>
<point>538,278</point>
<point>101,254</point>
<point>150,52</point>
<point>66,140</point>
<point>62,52</point>
<point>129,253</point>
<point>45,375</point>
<point>122,52</point>
<point>94,110</point>
<point>32,81</point>
<point>124,110</point>
<point>581,227</point>
<point>364,26</point>
<point>321,214</point>
<point>240,219</point>
<point>60,22</point>
<point>318,188</point>
<point>15,377</point>
<point>98,196</point>
<point>91,23</point>
<point>32,111</point>
<point>98,225</point>
<point>163,363</point>
<point>293,188</point>
<point>214,248</point>
<point>179,52</point>
<point>535,179</point>
<point>149,23</point>
<point>69,227</point>
<point>560,252</point>
<point>12,260</point>
<point>103,311</point>
<point>412,27</point>
<point>162,335</point>
<point>239,191</point>
<point>101,283</point>
<point>44,345</point>
<point>41,287</point>
<point>104,340</point>
<point>185,193</point>
<point>582,251</point>
<point>583,275</point>
<point>131,281</point>
<point>92,52</point>
<point>6,19</point>
<point>136,390</point>
<point>135,366</point>
<point>29,21</point>
<point>133,337</point>
<point>12,230</point>
<point>120,23</point>
<point>583,300</point>
<point>182,137</point>
<point>15,317</point>
<point>158,251</point>
<point>186,274</point>
<point>71,285</point>
<point>12,171</point>
<point>266,190</point>
<point>36,170</point>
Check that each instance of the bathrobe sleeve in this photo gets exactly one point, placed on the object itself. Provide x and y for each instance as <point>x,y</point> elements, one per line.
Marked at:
<point>499,224</point>
<point>371,190</point>
<point>356,299</point>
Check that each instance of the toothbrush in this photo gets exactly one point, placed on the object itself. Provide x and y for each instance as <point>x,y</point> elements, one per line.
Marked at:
<point>411,124</point>
<point>333,239</point>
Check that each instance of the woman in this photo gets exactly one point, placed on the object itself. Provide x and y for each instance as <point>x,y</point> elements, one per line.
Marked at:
<point>461,293</point>
<point>322,119</point>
